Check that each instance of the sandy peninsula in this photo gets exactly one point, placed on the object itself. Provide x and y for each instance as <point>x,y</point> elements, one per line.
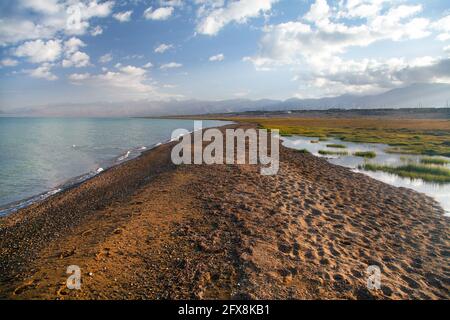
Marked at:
<point>148,229</point>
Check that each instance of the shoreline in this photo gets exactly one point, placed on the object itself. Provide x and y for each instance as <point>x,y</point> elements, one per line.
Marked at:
<point>146,228</point>
<point>72,182</point>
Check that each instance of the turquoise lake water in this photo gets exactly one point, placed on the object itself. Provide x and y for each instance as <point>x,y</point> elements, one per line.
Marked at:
<point>39,155</point>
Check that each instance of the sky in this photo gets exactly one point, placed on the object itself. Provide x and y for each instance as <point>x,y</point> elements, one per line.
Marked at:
<point>70,51</point>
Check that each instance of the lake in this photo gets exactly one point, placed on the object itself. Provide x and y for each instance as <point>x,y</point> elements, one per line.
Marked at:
<point>38,156</point>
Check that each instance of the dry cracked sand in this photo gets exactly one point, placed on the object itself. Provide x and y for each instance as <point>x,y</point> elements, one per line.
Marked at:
<point>148,229</point>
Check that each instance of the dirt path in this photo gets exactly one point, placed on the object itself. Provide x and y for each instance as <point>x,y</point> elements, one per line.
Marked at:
<point>151,230</point>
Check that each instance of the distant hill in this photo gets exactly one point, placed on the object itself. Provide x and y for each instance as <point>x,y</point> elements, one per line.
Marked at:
<point>414,96</point>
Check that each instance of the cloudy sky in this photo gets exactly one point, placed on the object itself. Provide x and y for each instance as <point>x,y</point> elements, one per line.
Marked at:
<point>70,51</point>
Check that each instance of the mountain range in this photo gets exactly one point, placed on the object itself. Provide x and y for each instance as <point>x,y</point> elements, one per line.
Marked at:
<point>413,96</point>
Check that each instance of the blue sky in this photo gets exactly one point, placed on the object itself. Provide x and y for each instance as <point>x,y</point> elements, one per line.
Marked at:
<point>70,51</point>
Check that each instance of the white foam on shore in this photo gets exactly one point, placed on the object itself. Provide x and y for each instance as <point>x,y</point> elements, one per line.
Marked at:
<point>124,156</point>
<point>28,202</point>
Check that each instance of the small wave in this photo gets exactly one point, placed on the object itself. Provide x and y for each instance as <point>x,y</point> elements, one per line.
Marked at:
<point>99,170</point>
<point>25,203</point>
<point>124,156</point>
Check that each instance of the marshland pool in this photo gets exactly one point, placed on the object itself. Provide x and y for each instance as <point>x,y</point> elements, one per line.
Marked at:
<point>440,192</point>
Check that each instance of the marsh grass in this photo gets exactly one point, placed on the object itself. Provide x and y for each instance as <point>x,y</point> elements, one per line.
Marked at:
<point>333,153</point>
<point>413,171</point>
<point>436,161</point>
<point>365,154</point>
<point>304,151</point>
<point>338,146</point>
<point>405,136</point>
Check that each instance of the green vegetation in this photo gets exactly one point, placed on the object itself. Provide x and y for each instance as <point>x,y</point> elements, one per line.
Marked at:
<point>400,151</point>
<point>365,154</point>
<point>407,136</point>
<point>323,139</point>
<point>333,153</point>
<point>436,161</point>
<point>304,151</point>
<point>413,171</point>
<point>339,146</point>
<point>405,159</point>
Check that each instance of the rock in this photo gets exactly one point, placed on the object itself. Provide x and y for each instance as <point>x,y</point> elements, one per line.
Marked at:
<point>284,247</point>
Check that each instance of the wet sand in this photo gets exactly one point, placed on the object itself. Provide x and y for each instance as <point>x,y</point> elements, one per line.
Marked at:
<point>148,229</point>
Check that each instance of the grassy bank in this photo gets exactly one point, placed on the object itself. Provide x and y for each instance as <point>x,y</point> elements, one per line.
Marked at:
<point>436,161</point>
<point>413,171</point>
<point>338,146</point>
<point>333,153</point>
<point>365,154</point>
<point>410,136</point>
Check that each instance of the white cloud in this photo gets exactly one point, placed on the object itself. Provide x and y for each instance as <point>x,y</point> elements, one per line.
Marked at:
<point>133,56</point>
<point>241,94</point>
<point>105,58</point>
<point>171,65</point>
<point>127,77</point>
<point>162,13</point>
<point>43,6</point>
<point>74,57</point>
<point>78,60</point>
<point>315,44</point>
<point>372,75</point>
<point>74,17</point>
<point>123,16</point>
<point>318,12</point>
<point>213,16</point>
<point>8,62</point>
<point>443,36</point>
<point>260,63</point>
<point>72,45</point>
<point>171,3</point>
<point>362,8</point>
<point>447,49</point>
<point>49,18</point>
<point>39,51</point>
<point>14,30</point>
<point>322,34</point>
<point>96,31</point>
<point>442,26</point>
<point>125,82</point>
<point>147,65</point>
<point>217,57</point>
<point>76,77</point>
<point>163,48</point>
<point>43,72</point>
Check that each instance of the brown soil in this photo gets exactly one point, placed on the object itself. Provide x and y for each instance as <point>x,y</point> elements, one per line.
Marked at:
<point>150,230</point>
